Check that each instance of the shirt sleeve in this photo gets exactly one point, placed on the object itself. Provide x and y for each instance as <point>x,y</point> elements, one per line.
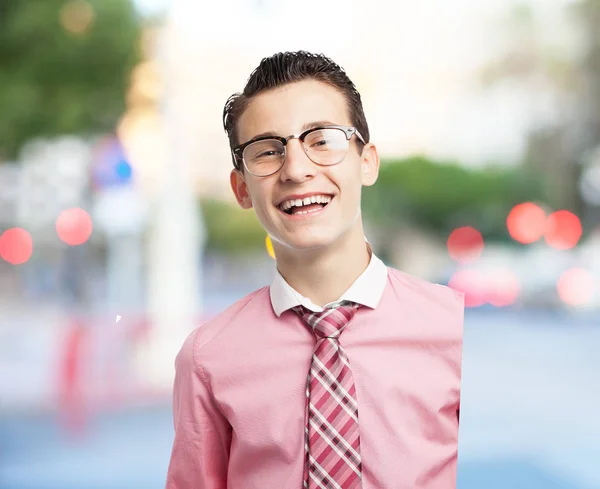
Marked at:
<point>200,453</point>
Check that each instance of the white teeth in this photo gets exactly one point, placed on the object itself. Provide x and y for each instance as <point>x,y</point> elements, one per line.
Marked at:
<point>319,199</point>
<point>307,212</point>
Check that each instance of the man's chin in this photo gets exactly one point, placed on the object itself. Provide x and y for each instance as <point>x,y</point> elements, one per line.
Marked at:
<point>307,242</point>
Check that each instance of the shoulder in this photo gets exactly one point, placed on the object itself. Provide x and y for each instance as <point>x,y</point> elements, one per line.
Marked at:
<point>210,329</point>
<point>419,288</point>
<point>435,311</point>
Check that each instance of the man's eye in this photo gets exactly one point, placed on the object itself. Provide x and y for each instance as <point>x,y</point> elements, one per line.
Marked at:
<point>266,154</point>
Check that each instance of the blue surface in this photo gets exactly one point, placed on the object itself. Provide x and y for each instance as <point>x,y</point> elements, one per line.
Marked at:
<point>510,473</point>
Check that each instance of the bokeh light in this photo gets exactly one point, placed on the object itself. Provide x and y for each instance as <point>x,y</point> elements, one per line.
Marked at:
<point>269,245</point>
<point>16,246</point>
<point>123,170</point>
<point>77,16</point>
<point>146,84</point>
<point>502,287</point>
<point>526,222</point>
<point>576,287</point>
<point>472,283</point>
<point>74,226</point>
<point>465,244</point>
<point>563,230</point>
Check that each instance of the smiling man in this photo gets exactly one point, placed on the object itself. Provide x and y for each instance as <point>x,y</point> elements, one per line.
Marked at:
<point>343,373</point>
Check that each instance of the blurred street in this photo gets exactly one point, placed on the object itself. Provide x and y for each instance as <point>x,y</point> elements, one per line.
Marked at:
<point>528,418</point>
<point>119,232</point>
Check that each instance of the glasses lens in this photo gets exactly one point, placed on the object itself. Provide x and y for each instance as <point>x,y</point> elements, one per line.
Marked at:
<point>264,157</point>
<point>326,146</point>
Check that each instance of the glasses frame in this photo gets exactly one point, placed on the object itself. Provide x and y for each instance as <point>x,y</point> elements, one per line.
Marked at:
<point>238,151</point>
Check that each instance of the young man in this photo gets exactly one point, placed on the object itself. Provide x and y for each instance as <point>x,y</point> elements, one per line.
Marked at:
<point>344,373</point>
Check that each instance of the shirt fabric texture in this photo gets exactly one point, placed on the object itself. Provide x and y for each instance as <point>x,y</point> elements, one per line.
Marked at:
<point>240,387</point>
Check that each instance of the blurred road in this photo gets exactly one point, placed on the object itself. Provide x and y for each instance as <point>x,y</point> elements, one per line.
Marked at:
<point>529,418</point>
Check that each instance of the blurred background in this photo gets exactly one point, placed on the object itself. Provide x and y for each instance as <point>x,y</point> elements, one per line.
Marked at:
<point>119,233</point>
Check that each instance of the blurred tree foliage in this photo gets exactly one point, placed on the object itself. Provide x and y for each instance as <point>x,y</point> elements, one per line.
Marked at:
<point>230,229</point>
<point>439,196</point>
<point>431,195</point>
<point>64,67</point>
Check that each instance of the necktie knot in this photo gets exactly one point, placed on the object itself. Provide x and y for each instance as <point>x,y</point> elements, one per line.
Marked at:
<point>331,322</point>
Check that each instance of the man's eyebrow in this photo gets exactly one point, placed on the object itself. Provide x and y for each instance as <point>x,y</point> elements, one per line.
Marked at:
<point>310,125</point>
<point>305,127</point>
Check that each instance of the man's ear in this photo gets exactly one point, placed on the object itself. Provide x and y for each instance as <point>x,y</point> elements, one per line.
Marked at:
<point>369,165</point>
<point>240,189</point>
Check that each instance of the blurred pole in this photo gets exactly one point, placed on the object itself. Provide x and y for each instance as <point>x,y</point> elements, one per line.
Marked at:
<point>125,278</point>
<point>120,213</point>
<point>176,237</point>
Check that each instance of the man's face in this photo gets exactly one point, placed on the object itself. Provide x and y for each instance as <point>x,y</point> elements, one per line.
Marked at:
<point>289,110</point>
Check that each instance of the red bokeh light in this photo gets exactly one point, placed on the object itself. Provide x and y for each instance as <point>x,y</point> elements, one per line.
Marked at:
<point>576,286</point>
<point>502,287</point>
<point>465,244</point>
<point>74,226</point>
<point>16,246</point>
<point>472,283</point>
<point>526,222</point>
<point>563,230</point>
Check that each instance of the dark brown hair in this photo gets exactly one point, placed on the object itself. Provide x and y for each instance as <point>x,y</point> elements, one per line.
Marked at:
<point>288,67</point>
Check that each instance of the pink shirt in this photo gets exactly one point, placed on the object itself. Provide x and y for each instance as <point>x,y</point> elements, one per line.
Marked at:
<point>240,386</point>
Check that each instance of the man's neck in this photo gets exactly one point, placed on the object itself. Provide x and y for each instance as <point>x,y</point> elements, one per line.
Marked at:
<point>325,275</point>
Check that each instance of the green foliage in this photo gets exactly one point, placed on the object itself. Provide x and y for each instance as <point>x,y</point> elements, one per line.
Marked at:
<point>440,196</point>
<point>436,196</point>
<point>231,229</point>
<point>55,82</point>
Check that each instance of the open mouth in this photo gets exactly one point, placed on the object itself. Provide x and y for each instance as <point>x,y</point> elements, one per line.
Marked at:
<point>305,206</point>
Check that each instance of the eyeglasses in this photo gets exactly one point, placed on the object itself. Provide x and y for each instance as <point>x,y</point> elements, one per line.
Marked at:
<point>324,146</point>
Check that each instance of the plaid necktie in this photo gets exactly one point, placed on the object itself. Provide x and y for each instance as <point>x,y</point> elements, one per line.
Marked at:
<point>332,437</point>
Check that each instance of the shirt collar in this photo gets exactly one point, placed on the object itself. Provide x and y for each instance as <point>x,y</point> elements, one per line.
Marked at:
<point>366,290</point>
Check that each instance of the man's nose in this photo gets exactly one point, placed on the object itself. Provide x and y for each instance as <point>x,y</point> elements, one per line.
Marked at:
<point>297,165</point>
